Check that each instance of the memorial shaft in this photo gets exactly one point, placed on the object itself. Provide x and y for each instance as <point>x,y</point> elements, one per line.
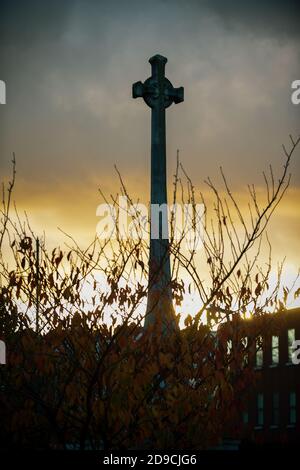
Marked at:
<point>158,93</point>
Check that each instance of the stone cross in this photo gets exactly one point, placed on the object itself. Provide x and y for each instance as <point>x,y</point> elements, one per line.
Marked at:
<point>159,93</point>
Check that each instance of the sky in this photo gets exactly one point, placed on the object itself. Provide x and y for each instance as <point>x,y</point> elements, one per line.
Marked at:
<point>69,67</point>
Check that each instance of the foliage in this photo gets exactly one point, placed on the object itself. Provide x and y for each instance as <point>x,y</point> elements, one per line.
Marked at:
<point>81,370</point>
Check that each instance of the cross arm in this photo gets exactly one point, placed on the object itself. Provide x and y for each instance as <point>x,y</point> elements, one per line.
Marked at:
<point>138,90</point>
<point>177,94</point>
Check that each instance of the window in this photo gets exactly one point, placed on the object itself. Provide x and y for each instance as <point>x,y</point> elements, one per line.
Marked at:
<point>275,350</point>
<point>260,409</point>
<point>291,339</point>
<point>245,417</point>
<point>259,358</point>
<point>275,409</point>
<point>292,408</point>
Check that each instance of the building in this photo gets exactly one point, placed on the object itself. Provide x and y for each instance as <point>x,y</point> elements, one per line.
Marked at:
<point>272,412</point>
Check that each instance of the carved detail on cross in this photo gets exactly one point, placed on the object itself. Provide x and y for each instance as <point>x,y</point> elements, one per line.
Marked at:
<point>157,90</point>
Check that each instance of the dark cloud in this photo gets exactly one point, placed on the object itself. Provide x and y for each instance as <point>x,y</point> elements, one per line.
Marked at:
<point>265,17</point>
<point>25,22</point>
<point>35,20</point>
<point>69,66</point>
<point>31,21</point>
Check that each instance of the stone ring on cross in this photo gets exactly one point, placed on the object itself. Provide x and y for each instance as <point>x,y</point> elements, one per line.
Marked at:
<point>157,90</point>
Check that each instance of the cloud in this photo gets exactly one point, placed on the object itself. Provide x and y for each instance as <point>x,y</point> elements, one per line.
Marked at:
<point>268,18</point>
<point>69,67</point>
<point>26,23</point>
<point>33,21</point>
